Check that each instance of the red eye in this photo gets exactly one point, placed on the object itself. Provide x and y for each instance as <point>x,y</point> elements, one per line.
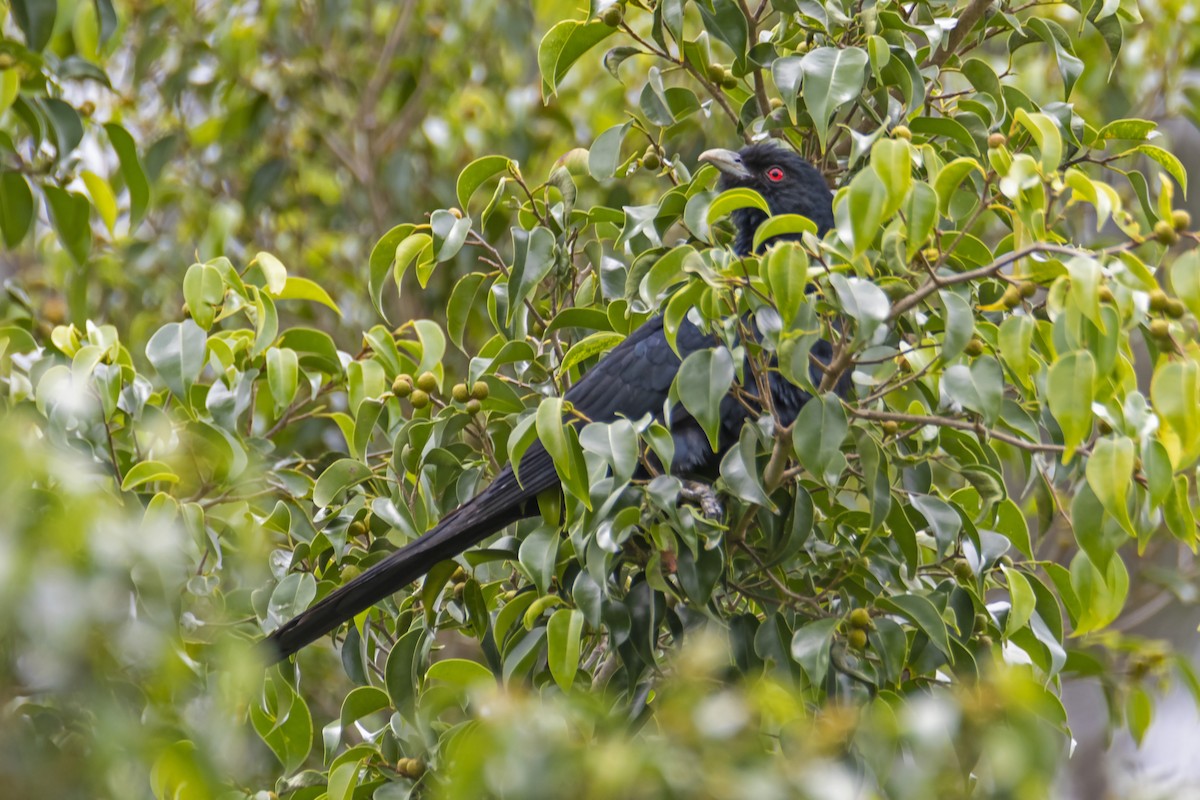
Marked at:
<point>775,174</point>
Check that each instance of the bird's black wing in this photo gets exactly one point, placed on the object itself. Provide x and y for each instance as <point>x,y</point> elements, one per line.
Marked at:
<point>633,379</point>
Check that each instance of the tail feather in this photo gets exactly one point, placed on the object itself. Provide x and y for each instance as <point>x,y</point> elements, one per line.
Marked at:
<point>500,504</point>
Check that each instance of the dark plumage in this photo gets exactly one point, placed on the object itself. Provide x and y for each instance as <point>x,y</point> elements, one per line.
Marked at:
<point>633,379</point>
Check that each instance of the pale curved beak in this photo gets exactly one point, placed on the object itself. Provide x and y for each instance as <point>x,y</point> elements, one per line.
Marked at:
<point>727,161</point>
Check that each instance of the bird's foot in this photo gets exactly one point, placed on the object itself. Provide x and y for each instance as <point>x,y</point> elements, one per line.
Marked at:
<point>704,496</point>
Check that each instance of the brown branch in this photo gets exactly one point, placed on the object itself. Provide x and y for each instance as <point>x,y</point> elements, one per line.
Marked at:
<point>971,15</point>
<point>960,424</point>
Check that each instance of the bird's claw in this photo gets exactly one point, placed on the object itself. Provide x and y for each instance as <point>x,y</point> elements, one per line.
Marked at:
<point>703,495</point>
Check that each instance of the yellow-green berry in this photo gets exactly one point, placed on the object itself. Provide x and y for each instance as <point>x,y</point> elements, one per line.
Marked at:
<point>1160,329</point>
<point>427,382</point>
<point>651,159</point>
<point>460,393</point>
<point>1106,295</point>
<point>612,15</point>
<point>419,398</point>
<point>1175,308</point>
<point>474,406</point>
<point>860,618</point>
<point>997,140</point>
<point>479,390</point>
<point>1164,232</point>
<point>902,132</point>
<point>402,386</point>
<point>974,347</point>
<point>857,639</point>
<point>1181,219</point>
<point>1012,297</point>
<point>1158,301</point>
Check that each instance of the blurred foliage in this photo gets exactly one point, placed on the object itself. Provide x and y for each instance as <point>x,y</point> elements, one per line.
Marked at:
<point>899,584</point>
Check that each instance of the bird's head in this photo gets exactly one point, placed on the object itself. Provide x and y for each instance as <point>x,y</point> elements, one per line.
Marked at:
<point>788,183</point>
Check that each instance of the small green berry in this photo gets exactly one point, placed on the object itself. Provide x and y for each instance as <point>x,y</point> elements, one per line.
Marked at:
<point>857,639</point>
<point>974,347</point>
<point>1160,329</point>
<point>1181,219</point>
<point>479,390</point>
<point>427,382</point>
<point>474,406</point>
<point>460,393</point>
<point>1158,301</point>
<point>419,398</point>
<point>1164,233</point>
<point>402,386</point>
<point>860,618</point>
<point>902,132</point>
<point>1175,308</point>
<point>612,15</point>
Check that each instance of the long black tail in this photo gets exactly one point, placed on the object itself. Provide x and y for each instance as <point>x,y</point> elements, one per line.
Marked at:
<point>501,503</point>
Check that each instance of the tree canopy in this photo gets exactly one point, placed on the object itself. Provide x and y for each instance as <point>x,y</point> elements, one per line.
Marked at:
<point>287,283</point>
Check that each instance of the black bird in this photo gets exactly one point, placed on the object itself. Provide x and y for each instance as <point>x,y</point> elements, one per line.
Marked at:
<point>632,380</point>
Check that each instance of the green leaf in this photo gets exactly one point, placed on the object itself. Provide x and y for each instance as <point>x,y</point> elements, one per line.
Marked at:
<point>891,160</point>
<point>532,263</point>
<point>283,721</point>
<point>290,596</point>
<point>787,278</point>
<point>475,174</point>
<point>810,648</point>
<point>69,213</point>
<point>304,289</point>
<point>337,478</point>
<point>563,634</point>
<point>283,374</point>
<point>460,673</point>
<point>418,247</point>
<point>10,87</point>
<point>701,384</point>
<point>552,434</point>
<point>177,352</point>
<point>732,199</point>
<point>202,290</point>
<point>587,347</point>
<point>1175,394</point>
<point>273,270</point>
<point>1016,345</point>
<point>1139,712</point>
<point>1069,394</point>
<point>605,153</point>
<point>951,178</point>
<point>858,210</point>
<point>563,45</point>
<point>960,325</point>
<point>1110,474</point>
<point>1021,598</point>
<point>832,76</point>
<point>131,170</point>
<point>383,255</point>
<point>1168,161</point>
<point>817,434</point>
<point>102,198</point>
<point>16,207</point>
<point>36,20</point>
<point>1045,134</point>
<point>924,615</point>
<point>979,387</point>
<point>148,472</point>
<point>1126,129</point>
<point>783,225</point>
